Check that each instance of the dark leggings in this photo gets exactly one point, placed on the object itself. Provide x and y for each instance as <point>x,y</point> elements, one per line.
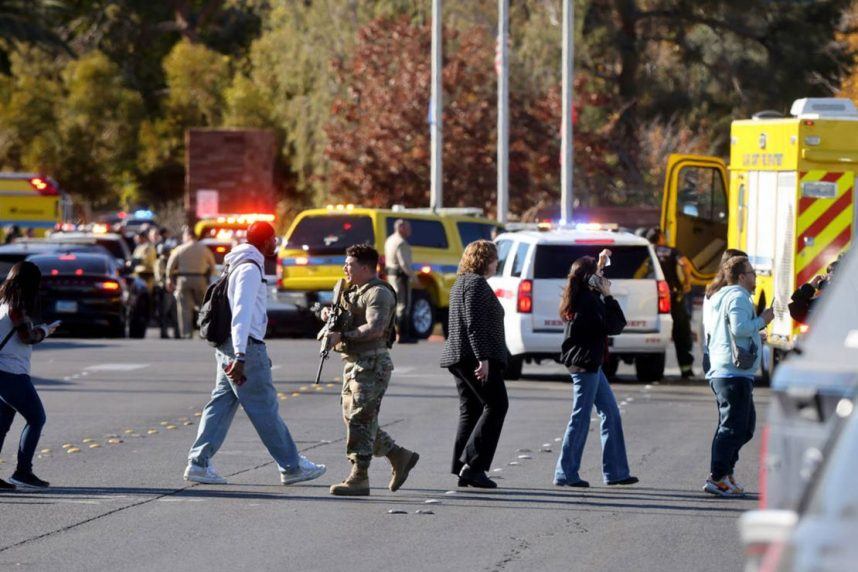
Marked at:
<point>18,395</point>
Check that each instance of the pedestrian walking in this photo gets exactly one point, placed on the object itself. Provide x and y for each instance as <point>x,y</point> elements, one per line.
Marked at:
<point>733,331</point>
<point>591,315</point>
<point>400,274</point>
<point>717,283</point>
<point>165,300</point>
<point>18,299</point>
<point>677,274</point>
<point>244,372</point>
<point>189,268</point>
<point>366,335</point>
<point>475,353</point>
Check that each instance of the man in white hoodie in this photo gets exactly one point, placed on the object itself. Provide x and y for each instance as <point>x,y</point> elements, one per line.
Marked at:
<point>731,321</point>
<point>244,372</point>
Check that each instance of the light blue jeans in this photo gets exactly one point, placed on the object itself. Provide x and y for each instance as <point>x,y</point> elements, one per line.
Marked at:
<point>258,398</point>
<point>591,389</point>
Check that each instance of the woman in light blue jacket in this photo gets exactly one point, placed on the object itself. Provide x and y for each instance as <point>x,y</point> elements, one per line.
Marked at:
<point>730,320</point>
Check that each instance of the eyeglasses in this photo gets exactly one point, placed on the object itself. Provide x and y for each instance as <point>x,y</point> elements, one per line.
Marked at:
<point>754,272</point>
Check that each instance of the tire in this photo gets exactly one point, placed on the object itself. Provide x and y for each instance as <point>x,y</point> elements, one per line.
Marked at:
<point>422,319</point>
<point>611,366</point>
<point>649,367</point>
<point>514,365</point>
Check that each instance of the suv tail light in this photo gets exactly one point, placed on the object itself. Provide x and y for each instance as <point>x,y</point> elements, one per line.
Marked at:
<point>524,301</point>
<point>663,297</point>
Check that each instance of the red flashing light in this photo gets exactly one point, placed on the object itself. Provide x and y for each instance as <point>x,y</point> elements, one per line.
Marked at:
<point>347,226</point>
<point>66,257</point>
<point>43,186</point>
<point>524,301</point>
<point>54,272</point>
<point>663,297</point>
<point>78,272</point>
<point>110,286</point>
<point>809,122</point>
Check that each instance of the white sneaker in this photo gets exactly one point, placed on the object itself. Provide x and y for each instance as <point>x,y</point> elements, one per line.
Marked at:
<point>722,488</point>
<point>739,488</point>
<point>306,471</point>
<point>204,475</point>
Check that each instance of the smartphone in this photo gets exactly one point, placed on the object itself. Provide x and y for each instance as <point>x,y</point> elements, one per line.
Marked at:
<point>596,282</point>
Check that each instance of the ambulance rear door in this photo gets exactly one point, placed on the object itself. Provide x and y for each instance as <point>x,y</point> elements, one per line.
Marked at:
<point>694,211</point>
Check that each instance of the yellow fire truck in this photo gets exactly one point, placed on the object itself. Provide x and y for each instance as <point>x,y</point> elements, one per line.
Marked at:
<point>31,201</point>
<point>788,203</point>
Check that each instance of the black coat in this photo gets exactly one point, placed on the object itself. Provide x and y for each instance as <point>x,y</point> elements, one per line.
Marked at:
<point>586,335</point>
<point>475,331</point>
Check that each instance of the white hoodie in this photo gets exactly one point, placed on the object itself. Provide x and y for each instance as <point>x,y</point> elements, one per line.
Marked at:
<point>247,296</point>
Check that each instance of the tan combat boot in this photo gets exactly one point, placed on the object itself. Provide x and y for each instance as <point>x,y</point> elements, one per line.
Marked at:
<point>401,461</point>
<point>355,485</point>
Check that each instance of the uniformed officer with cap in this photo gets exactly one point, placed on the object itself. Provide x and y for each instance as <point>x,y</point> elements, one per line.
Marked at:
<point>367,332</point>
<point>189,268</point>
<point>677,274</point>
<point>400,274</point>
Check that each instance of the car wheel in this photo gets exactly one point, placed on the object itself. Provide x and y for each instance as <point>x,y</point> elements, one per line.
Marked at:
<point>514,365</point>
<point>422,316</point>
<point>649,367</point>
<point>611,366</point>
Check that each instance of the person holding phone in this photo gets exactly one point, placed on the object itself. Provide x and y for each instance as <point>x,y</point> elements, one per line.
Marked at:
<point>18,298</point>
<point>475,353</point>
<point>591,315</point>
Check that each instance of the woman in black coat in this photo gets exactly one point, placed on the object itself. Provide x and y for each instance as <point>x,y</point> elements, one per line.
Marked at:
<point>475,353</point>
<point>591,315</point>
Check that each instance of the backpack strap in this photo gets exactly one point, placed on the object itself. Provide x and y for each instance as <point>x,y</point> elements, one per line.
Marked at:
<point>229,269</point>
<point>8,337</point>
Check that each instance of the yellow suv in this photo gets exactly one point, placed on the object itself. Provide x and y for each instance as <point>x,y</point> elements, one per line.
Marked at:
<point>312,256</point>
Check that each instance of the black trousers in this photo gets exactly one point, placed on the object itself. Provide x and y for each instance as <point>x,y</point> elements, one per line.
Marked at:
<point>682,338</point>
<point>482,409</point>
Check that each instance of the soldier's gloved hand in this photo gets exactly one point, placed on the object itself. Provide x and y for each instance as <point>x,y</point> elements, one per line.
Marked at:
<point>326,313</point>
<point>334,338</point>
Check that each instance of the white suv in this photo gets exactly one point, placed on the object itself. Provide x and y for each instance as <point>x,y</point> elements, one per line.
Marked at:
<point>532,274</point>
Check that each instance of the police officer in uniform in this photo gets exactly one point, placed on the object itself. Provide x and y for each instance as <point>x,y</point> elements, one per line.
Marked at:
<point>364,339</point>
<point>397,259</point>
<point>166,302</point>
<point>189,268</point>
<point>677,273</point>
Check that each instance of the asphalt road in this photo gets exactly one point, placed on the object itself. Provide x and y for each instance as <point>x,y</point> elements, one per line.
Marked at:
<point>129,407</point>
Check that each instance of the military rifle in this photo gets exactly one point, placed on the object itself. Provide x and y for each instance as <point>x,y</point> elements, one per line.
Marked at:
<point>331,325</point>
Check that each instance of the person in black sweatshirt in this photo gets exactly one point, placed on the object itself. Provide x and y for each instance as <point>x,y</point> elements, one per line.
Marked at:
<point>475,353</point>
<point>591,315</point>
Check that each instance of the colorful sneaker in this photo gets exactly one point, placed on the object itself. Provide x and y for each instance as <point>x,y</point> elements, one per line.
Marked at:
<point>739,488</point>
<point>721,488</point>
<point>203,475</point>
<point>306,471</point>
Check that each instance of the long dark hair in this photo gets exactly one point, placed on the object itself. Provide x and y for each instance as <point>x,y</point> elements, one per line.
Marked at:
<point>20,290</point>
<point>579,274</point>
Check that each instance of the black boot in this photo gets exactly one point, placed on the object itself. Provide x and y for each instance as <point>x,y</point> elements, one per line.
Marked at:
<point>478,479</point>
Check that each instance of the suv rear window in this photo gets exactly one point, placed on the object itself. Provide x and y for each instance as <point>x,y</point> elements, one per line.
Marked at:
<point>473,231</point>
<point>331,234</point>
<point>424,233</point>
<point>627,262</point>
<point>71,264</point>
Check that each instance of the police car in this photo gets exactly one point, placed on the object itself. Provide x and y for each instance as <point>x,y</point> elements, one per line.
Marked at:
<point>532,274</point>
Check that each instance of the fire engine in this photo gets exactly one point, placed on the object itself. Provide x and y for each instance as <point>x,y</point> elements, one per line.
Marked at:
<point>787,200</point>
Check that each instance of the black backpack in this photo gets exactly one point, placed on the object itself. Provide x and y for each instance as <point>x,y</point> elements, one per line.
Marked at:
<point>215,320</point>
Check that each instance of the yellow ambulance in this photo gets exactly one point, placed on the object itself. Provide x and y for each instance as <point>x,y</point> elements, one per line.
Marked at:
<point>31,201</point>
<point>312,256</point>
<point>787,200</point>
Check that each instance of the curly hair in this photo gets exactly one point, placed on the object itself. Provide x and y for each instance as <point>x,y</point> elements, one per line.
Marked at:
<point>478,256</point>
<point>364,253</point>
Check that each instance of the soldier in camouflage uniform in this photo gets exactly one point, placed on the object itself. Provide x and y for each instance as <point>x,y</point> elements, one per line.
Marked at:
<point>364,338</point>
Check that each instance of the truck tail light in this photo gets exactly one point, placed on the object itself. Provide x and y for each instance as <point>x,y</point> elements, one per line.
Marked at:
<point>663,297</point>
<point>524,300</point>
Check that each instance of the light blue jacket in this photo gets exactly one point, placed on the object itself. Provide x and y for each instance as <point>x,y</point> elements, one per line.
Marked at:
<point>733,302</point>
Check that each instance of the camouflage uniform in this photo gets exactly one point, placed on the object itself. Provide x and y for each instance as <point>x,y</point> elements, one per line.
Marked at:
<point>367,373</point>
